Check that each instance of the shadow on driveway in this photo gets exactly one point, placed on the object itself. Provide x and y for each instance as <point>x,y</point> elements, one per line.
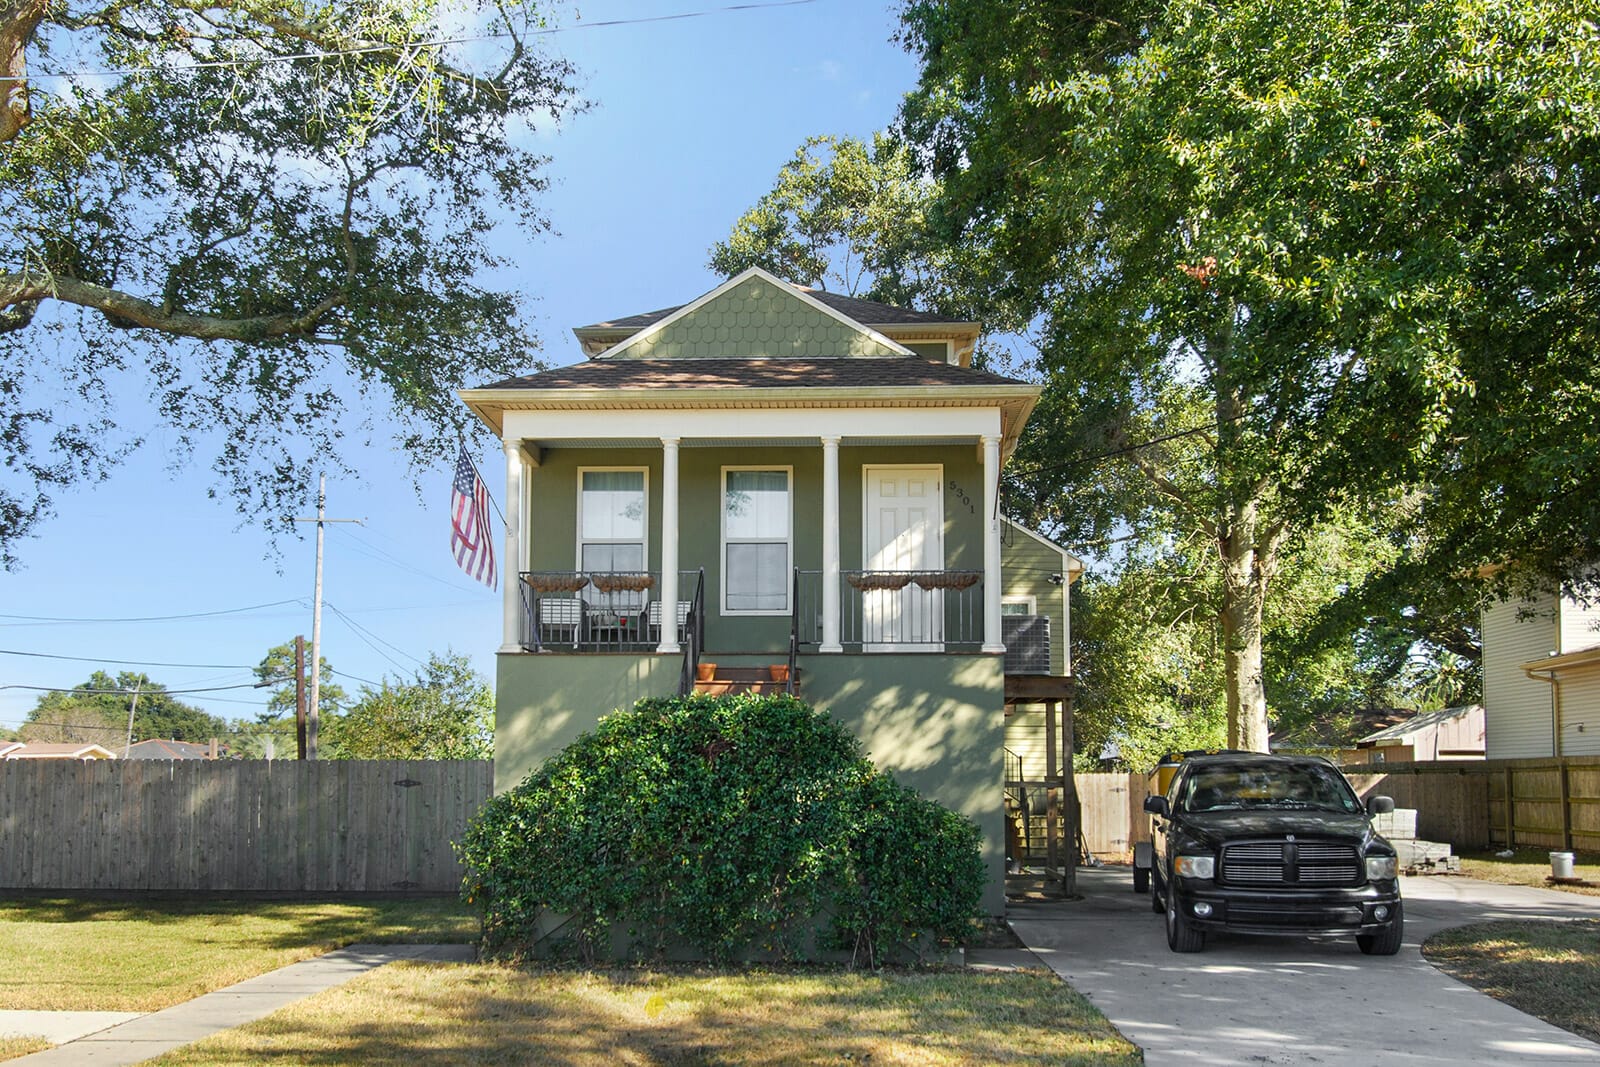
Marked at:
<point>1296,999</point>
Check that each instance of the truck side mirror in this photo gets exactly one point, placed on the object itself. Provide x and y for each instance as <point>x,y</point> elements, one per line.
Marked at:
<point>1379,805</point>
<point>1157,805</point>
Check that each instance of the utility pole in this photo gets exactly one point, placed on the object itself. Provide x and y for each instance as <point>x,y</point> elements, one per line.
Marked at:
<point>132,706</point>
<point>300,696</point>
<point>316,617</point>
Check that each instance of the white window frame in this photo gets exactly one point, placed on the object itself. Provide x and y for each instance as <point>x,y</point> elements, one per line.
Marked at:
<point>787,541</point>
<point>1029,599</point>
<point>580,540</point>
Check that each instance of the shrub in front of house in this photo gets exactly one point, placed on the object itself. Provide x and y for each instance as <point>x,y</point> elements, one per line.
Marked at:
<point>727,827</point>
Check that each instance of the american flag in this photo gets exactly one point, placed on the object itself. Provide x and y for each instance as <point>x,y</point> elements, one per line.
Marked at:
<point>469,522</point>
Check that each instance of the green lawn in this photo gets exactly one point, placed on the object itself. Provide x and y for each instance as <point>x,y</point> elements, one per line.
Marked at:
<point>1530,866</point>
<point>89,955</point>
<point>1546,968</point>
<point>417,1015</point>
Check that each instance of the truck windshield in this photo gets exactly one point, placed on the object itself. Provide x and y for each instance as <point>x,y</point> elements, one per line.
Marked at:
<point>1279,786</point>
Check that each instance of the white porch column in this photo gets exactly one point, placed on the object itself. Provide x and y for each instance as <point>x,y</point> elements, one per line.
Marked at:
<point>992,641</point>
<point>830,546</point>
<point>511,563</point>
<point>669,545</point>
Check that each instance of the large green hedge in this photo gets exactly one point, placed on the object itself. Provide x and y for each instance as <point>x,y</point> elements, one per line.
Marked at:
<point>729,826</point>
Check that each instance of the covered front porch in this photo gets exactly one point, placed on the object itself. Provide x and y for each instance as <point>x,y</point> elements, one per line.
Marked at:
<point>871,542</point>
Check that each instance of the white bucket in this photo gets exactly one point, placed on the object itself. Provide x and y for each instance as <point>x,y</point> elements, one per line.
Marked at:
<point>1561,865</point>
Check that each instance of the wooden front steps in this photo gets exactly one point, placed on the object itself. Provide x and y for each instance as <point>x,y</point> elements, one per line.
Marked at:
<point>726,681</point>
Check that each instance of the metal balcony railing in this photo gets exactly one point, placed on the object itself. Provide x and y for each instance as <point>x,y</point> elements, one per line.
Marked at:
<point>599,611</point>
<point>885,611</point>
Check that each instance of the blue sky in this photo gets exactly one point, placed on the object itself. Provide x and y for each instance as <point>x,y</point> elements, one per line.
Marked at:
<point>645,182</point>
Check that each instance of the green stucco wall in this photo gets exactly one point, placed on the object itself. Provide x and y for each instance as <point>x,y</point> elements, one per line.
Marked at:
<point>553,507</point>
<point>936,722</point>
<point>543,701</point>
<point>757,319</point>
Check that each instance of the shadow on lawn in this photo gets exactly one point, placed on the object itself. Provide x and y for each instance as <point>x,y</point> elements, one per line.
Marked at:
<point>284,923</point>
<point>417,1015</point>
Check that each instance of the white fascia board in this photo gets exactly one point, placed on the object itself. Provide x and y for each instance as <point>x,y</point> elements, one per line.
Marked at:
<point>751,423</point>
<point>783,286</point>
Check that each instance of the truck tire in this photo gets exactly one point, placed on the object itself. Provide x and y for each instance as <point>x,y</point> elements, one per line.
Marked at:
<point>1388,940</point>
<point>1182,935</point>
<point>1141,879</point>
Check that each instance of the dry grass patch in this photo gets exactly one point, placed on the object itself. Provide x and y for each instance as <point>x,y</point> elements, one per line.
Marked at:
<point>1530,866</point>
<point>416,1015</point>
<point>86,955</point>
<point>1547,968</point>
<point>12,1047</point>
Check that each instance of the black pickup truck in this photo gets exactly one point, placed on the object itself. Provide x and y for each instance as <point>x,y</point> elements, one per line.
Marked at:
<point>1264,844</point>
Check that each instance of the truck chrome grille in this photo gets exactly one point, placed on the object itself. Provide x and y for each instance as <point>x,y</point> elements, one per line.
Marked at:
<point>1283,863</point>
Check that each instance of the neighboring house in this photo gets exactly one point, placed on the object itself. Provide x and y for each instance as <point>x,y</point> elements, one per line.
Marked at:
<point>1541,677</point>
<point>768,478</point>
<point>56,750</point>
<point>171,750</point>
<point>1447,734</point>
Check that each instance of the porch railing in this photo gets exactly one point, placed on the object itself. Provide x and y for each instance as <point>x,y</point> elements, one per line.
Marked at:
<point>599,611</point>
<point>889,610</point>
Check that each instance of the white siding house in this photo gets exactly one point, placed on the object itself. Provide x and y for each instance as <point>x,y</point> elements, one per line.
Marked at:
<point>1541,677</point>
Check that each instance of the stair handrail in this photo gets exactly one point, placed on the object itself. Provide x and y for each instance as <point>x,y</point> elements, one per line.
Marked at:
<point>694,634</point>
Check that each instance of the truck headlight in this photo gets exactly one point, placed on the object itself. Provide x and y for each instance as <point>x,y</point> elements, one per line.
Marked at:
<point>1381,868</point>
<point>1197,866</point>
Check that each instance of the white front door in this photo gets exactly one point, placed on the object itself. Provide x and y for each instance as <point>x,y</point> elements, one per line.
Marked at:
<point>904,532</point>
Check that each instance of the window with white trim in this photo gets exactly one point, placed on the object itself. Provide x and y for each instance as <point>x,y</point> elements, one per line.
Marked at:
<point>1019,605</point>
<point>757,540</point>
<point>612,507</point>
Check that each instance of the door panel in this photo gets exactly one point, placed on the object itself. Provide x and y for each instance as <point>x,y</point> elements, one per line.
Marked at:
<point>905,528</point>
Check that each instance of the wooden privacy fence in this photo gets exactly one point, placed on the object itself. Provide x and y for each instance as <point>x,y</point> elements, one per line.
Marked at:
<point>1535,803</point>
<point>292,826</point>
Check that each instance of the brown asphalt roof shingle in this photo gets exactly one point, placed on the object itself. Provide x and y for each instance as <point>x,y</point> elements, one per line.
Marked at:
<point>866,312</point>
<point>896,371</point>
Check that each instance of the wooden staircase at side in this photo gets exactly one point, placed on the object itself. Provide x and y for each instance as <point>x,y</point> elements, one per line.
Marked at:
<point>772,680</point>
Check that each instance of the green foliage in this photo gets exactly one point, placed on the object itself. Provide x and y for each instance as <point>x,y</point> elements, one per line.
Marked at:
<point>274,222</point>
<point>446,711</point>
<point>97,712</point>
<point>272,734</point>
<point>726,824</point>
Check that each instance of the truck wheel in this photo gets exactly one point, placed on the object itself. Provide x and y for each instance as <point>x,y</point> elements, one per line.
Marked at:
<point>1387,941</point>
<point>1141,879</point>
<point>1156,894</point>
<point>1182,935</point>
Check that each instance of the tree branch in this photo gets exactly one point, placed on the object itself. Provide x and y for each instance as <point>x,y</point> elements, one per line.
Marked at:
<point>17,290</point>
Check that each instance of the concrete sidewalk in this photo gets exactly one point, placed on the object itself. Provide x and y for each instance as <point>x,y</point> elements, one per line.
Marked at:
<point>143,1036</point>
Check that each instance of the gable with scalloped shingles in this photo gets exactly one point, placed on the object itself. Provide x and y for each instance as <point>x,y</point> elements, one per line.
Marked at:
<point>756,320</point>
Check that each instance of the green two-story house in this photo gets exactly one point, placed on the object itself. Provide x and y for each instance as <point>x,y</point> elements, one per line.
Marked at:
<point>779,488</point>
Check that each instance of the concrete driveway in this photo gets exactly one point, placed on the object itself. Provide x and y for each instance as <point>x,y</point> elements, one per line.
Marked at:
<point>1297,1000</point>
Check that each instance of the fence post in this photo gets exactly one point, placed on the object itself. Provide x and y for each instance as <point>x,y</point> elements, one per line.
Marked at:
<point>1511,810</point>
<point>1566,806</point>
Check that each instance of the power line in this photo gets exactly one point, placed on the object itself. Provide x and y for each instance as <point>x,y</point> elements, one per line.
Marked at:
<point>126,692</point>
<point>363,634</point>
<point>214,64</point>
<point>128,662</point>
<point>355,678</point>
<point>152,618</point>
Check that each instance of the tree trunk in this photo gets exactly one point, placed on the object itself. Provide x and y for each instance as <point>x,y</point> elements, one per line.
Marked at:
<point>1244,594</point>
<point>18,20</point>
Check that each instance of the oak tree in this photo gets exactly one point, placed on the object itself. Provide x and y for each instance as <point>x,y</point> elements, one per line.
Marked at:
<point>269,221</point>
